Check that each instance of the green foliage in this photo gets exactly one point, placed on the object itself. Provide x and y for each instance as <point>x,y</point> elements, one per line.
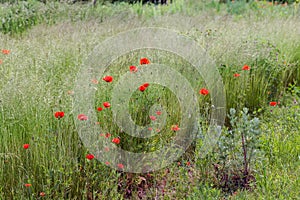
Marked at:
<point>19,17</point>
<point>237,148</point>
<point>42,66</point>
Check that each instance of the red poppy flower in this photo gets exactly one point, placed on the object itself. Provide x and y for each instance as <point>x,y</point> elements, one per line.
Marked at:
<point>146,85</point>
<point>26,146</point>
<point>237,75</point>
<point>204,91</point>
<point>116,140</point>
<point>27,185</point>
<point>121,166</point>
<point>1,61</point>
<point>144,61</point>
<point>106,104</point>
<point>158,112</point>
<point>188,163</point>
<point>273,103</point>
<point>59,114</point>
<point>42,194</point>
<point>108,79</point>
<point>246,67</point>
<point>133,69</point>
<point>107,163</point>
<point>175,128</point>
<point>142,88</point>
<point>150,129</point>
<point>82,117</point>
<point>5,51</point>
<point>90,156</point>
<point>152,118</point>
<point>99,108</point>
<point>107,135</point>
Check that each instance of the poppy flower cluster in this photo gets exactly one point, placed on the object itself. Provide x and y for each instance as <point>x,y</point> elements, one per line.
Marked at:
<point>244,68</point>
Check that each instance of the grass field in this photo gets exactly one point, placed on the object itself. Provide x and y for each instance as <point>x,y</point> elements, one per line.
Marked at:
<point>40,63</point>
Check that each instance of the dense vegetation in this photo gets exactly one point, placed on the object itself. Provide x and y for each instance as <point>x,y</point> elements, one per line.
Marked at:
<point>255,46</point>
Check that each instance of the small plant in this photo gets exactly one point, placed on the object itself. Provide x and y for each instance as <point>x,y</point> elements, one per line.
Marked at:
<point>237,148</point>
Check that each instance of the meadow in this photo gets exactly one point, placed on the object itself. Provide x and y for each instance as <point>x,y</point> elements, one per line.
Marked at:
<point>255,47</point>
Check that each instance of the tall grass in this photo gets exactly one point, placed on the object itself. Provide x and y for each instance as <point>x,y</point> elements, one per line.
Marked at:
<point>39,73</point>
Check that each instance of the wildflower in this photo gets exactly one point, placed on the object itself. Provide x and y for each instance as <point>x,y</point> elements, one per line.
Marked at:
<point>133,69</point>
<point>106,104</point>
<point>204,91</point>
<point>175,128</point>
<point>237,75</point>
<point>116,140</point>
<point>42,194</point>
<point>246,67</point>
<point>107,163</point>
<point>152,118</point>
<point>82,117</point>
<point>158,112</point>
<point>107,135</point>
<point>99,108</point>
<point>188,163</point>
<point>150,128</point>
<point>1,61</point>
<point>5,51</point>
<point>146,85</point>
<point>108,79</point>
<point>26,146</point>
<point>59,114</point>
<point>121,166</point>
<point>27,185</point>
<point>273,103</point>
<point>144,61</point>
<point>106,149</point>
<point>90,156</point>
<point>142,88</point>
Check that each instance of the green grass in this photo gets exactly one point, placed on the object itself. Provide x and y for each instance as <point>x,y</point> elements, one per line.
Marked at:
<point>45,59</point>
